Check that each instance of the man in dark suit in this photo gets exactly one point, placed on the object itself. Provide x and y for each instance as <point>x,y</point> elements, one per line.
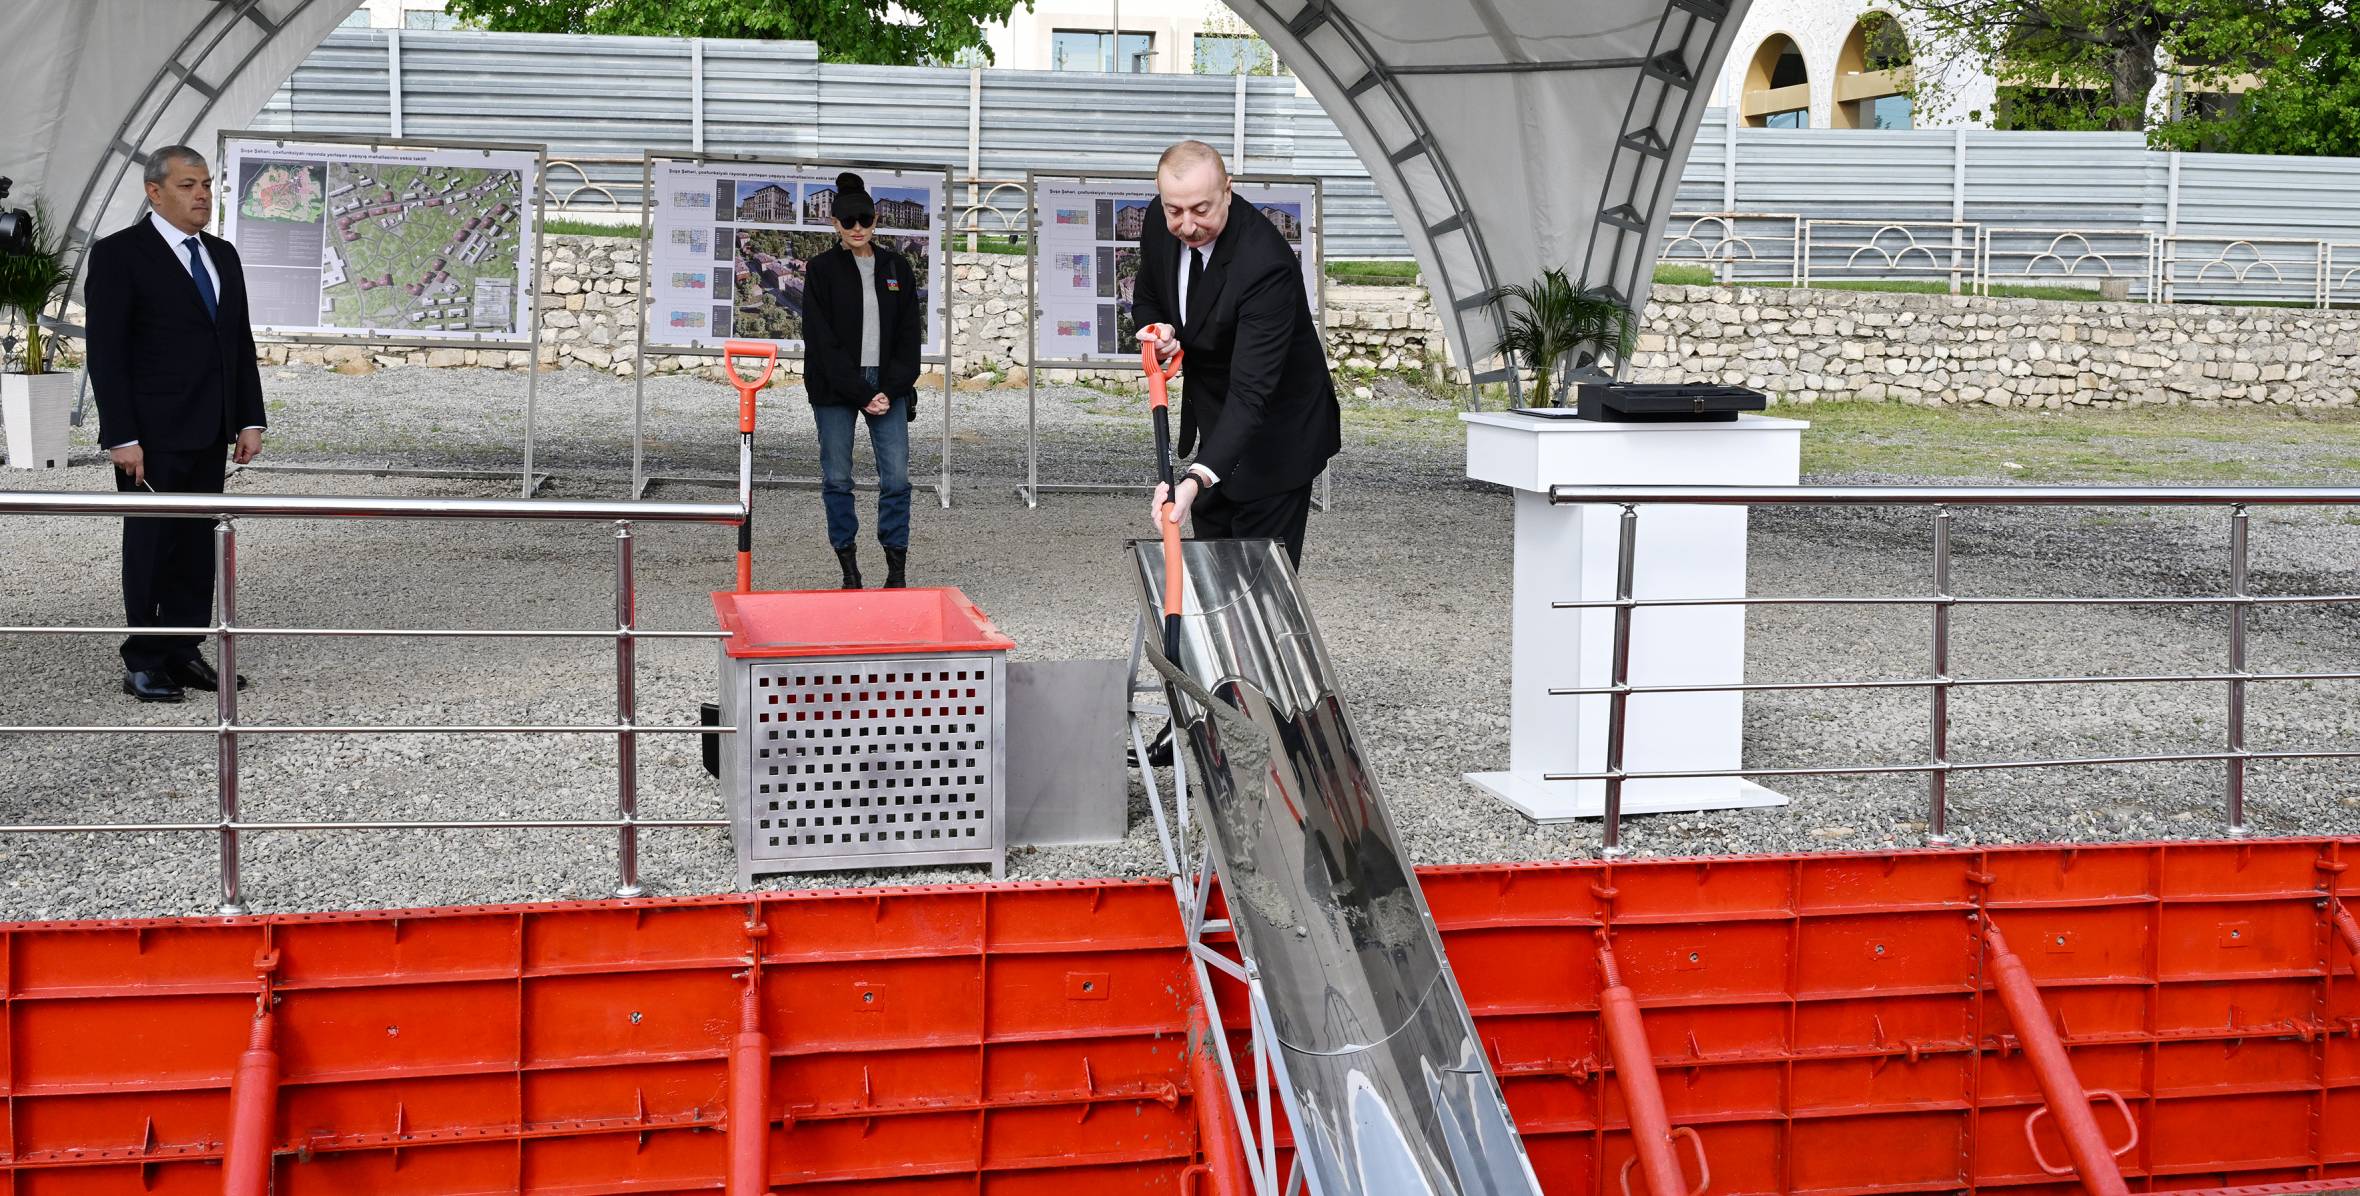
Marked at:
<point>171,363</point>
<point>1217,279</point>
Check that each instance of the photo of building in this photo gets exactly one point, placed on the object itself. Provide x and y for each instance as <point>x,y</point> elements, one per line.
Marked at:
<point>766,202</point>
<point>1130,218</point>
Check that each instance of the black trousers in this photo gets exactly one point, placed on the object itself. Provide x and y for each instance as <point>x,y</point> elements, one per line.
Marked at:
<point>168,563</point>
<point>1281,517</point>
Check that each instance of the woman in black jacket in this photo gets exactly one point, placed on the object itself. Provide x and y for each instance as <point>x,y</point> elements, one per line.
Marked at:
<point>862,328</point>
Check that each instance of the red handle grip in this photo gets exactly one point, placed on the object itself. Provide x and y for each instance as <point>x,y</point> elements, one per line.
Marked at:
<point>730,352</point>
<point>1158,375</point>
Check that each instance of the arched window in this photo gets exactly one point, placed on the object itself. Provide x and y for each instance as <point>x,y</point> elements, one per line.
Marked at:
<point>1871,73</point>
<point>1777,86</point>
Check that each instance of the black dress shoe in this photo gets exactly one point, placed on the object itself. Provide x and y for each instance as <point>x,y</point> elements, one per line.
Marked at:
<point>152,685</point>
<point>1159,751</point>
<point>196,674</point>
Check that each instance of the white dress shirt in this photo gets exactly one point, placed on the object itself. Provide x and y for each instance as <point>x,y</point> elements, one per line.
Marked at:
<point>178,241</point>
<point>1206,477</point>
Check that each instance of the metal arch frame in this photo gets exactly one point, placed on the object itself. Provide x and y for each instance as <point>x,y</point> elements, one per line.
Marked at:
<point>1290,37</point>
<point>1631,224</point>
<point>1636,230</point>
<point>123,152</point>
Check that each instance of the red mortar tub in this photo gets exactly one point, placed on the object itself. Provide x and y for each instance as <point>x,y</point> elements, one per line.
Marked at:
<point>1821,1024</point>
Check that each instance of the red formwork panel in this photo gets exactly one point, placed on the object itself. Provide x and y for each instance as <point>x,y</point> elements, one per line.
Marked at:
<point>1826,1024</point>
<point>970,1039</point>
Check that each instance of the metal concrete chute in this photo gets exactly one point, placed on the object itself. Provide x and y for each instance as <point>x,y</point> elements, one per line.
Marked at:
<point>1376,1058</point>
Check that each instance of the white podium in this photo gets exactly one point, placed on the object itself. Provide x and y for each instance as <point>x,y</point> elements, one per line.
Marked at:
<point>1568,553</point>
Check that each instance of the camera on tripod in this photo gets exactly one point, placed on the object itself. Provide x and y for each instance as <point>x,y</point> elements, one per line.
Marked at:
<point>16,225</point>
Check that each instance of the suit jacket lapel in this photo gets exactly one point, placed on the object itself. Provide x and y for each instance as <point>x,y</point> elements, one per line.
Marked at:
<point>1200,298</point>
<point>166,256</point>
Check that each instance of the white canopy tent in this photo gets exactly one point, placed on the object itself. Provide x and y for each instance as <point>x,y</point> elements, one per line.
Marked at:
<point>1508,135</point>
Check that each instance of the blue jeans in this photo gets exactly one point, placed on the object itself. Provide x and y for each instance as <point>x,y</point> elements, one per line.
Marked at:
<point>889,437</point>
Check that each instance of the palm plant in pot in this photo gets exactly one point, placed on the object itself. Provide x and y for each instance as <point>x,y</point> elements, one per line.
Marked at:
<point>1563,331</point>
<point>36,399</point>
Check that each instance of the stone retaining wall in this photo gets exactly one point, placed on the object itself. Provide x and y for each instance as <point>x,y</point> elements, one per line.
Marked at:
<point>1799,345</point>
<point>1807,345</point>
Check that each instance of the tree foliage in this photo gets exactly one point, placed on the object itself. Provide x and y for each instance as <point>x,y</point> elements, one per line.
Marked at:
<point>884,32</point>
<point>2260,76</point>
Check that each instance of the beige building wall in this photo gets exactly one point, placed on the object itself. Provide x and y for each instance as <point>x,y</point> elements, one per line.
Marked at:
<point>1024,42</point>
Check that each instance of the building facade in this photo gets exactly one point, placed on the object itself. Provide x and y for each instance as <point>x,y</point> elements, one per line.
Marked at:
<point>1841,64</point>
<point>1158,36</point>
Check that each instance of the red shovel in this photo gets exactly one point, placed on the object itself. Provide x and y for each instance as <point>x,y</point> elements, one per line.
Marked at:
<point>1160,401</point>
<point>730,353</point>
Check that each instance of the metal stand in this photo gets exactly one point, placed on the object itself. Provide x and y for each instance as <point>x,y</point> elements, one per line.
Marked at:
<point>1192,889</point>
<point>1031,489</point>
<point>641,480</point>
<point>529,480</point>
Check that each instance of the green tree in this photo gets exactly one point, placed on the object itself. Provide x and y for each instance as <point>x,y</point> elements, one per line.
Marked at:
<point>884,32</point>
<point>2305,97</point>
<point>2095,64</point>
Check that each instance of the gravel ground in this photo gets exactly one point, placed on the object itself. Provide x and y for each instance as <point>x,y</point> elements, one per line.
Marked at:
<point>1409,575</point>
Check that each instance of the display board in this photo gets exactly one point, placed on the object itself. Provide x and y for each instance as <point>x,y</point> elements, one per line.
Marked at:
<point>1087,258</point>
<point>730,240</point>
<point>415,242</point>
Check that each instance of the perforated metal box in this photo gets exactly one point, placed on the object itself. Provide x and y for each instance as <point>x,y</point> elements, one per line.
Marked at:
<point>871,730</point>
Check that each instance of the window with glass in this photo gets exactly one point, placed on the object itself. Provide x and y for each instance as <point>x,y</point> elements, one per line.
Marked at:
<point>1885,112</point>
<point>1792,118</point>
<point>1092,50</point>
<point>420,18</point>
<point>357,19</point>
<point>1235,54</point>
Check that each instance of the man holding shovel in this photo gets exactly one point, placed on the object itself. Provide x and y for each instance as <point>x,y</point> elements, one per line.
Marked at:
<point>1217,279</point>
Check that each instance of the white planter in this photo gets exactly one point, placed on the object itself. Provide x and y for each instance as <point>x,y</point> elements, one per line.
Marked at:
<point>37,410</point>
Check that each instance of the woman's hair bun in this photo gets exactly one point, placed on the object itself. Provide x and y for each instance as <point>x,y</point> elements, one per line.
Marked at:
<point>849,181</point>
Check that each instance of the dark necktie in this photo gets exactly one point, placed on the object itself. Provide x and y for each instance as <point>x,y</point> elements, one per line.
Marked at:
<point>196,269</point>
<point>1196,279</point>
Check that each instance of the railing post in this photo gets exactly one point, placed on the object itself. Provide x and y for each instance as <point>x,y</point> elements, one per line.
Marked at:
<point>225,705</point>
<point>2235,765</point>
<point>1618,701</point>
<point>626,715</point>
<point>1938,779</point>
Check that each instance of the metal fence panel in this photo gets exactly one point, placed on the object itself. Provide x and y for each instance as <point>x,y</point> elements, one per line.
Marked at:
<point>612,97</point>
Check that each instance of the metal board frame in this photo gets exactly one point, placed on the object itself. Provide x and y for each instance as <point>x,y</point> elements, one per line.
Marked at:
<point>536,265</point>
<point>1031,489</point>
<point>641,480</point>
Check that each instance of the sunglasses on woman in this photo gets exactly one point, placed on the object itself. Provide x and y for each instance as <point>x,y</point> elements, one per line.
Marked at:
<point>856,221</point>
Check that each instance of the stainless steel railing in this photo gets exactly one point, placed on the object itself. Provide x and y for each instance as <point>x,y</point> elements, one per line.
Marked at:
<point>2238,603</point>
<point>227,509</point>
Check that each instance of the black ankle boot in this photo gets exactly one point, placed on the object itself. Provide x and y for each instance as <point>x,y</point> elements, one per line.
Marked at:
<point>849,558</point>
<point>894,559</point>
